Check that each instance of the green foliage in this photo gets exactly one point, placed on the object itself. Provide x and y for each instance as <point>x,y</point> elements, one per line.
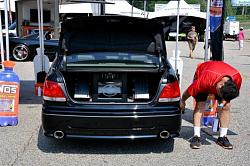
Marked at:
<point>203,4</point>
<point>229,9</point>
<point>240,10</point>
<point>151,3</point>
<point>244,18</point>
<point>242,13</point>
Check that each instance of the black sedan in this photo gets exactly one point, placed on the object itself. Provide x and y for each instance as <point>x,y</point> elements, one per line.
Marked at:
<point>111,80</point>
<point>24,48</point>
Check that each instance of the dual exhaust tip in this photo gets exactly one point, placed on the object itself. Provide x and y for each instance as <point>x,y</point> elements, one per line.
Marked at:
<point>164,134</point>
<point>60,134</point>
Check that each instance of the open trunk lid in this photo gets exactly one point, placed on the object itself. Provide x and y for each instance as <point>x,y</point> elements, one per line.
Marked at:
<point>119,34</point>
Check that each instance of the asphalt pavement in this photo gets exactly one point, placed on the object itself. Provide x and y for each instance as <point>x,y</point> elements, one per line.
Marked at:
<point>25,144</point>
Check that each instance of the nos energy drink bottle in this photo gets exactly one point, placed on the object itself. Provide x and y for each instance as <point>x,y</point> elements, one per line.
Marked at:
<point>9,95</point>
<point>209,113</point>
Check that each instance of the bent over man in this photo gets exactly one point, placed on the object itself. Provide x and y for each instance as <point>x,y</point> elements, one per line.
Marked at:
<point>222,80</point>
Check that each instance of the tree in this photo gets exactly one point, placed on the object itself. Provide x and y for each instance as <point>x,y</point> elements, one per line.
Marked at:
<point>203,4</point>
<point>229,10</point>
<point>151,3</point>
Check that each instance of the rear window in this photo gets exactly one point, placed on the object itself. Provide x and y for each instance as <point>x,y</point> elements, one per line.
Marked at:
<point>105,39</point>
<point>112,34</point>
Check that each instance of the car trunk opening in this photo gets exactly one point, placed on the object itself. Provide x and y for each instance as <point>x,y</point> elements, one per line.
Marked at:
<point>112,59</point>
<point>122,87</point>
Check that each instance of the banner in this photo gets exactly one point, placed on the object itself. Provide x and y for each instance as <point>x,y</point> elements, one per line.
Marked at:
<point>240,2</point>
<point>216,29</point>
<point>215,14</point>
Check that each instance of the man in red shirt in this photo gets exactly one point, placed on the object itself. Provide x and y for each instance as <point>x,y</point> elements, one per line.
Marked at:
<point>222,80</point>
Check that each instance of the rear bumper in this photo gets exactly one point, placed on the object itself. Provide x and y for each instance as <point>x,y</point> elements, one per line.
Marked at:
<point>110,125</point>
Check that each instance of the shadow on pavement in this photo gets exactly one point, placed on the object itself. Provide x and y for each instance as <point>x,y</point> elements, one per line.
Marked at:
<point>77,146</point>
<point>233,49</point>
<point>182,56</point>
<point>206,133</point>
<point>27,93</point>
<point>199,58</point>
<point>187,131</point>
<point>245,55</point>
<point>187,57</point>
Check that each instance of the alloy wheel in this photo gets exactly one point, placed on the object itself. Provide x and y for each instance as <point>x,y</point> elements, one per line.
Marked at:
<point>21,52</point>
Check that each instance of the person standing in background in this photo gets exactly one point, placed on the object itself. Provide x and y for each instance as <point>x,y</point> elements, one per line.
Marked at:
<point>241,37</point>
<point>192,38</point>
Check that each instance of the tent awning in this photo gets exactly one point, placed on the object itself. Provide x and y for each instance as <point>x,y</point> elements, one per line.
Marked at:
<point>76,8</point>
<point>184,10</point>
<point>84,1</point>
<point>12,5</point>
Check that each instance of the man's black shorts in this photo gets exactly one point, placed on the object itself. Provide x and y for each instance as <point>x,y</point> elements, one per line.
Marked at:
<point>203,97</point>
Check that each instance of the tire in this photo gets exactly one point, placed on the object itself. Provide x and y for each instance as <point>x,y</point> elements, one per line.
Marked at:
<point>236,38</point>
<point>20,52</point>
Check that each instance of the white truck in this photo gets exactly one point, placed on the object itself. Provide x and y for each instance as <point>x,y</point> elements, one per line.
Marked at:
<point>231,29</point>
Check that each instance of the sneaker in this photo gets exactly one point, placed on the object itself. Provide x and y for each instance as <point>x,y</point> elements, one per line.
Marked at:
<point>224,142</point>
<point>195,142</point>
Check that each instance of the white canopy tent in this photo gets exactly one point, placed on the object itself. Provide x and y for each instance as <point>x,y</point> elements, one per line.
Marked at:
<point>122,7</point>
<point>171,10</point>
<point>76,8</point>
<point>119,7</point>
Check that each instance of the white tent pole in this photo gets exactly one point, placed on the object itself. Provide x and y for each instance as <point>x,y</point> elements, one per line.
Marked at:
<point>7,49</point>
<point>207,30</point>
<point>132,9</point>
<point>1,39</point>
<point>177,35</point>
<point>56,18</point>
<point>40,30</point>
<point>42,34</point>
<point>144,8</point>
<point>39,23</point>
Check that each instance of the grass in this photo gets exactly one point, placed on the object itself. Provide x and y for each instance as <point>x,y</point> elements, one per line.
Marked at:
<point>245,24</point>
<point>244,21</point>
<point>244,18</point>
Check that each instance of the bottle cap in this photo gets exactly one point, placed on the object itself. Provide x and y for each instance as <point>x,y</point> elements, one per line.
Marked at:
<point>8,64</point>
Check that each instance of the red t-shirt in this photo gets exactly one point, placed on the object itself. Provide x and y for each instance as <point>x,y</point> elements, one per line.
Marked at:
<point>208,74</point>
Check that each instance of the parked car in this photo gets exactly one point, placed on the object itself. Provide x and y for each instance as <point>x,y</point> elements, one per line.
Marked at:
<point>24,48</point>
<point>111,80</point>
<point>172,36</point>
<point>231,29</point>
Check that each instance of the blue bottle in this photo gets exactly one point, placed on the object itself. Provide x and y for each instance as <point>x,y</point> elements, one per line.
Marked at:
<point>9,95</point>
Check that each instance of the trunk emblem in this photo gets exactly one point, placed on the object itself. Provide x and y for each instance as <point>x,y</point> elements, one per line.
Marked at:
<point>110,90</point>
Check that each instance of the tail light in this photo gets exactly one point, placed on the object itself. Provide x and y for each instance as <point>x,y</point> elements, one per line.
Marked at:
<point>170,92</point>
<point>53,92</point>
